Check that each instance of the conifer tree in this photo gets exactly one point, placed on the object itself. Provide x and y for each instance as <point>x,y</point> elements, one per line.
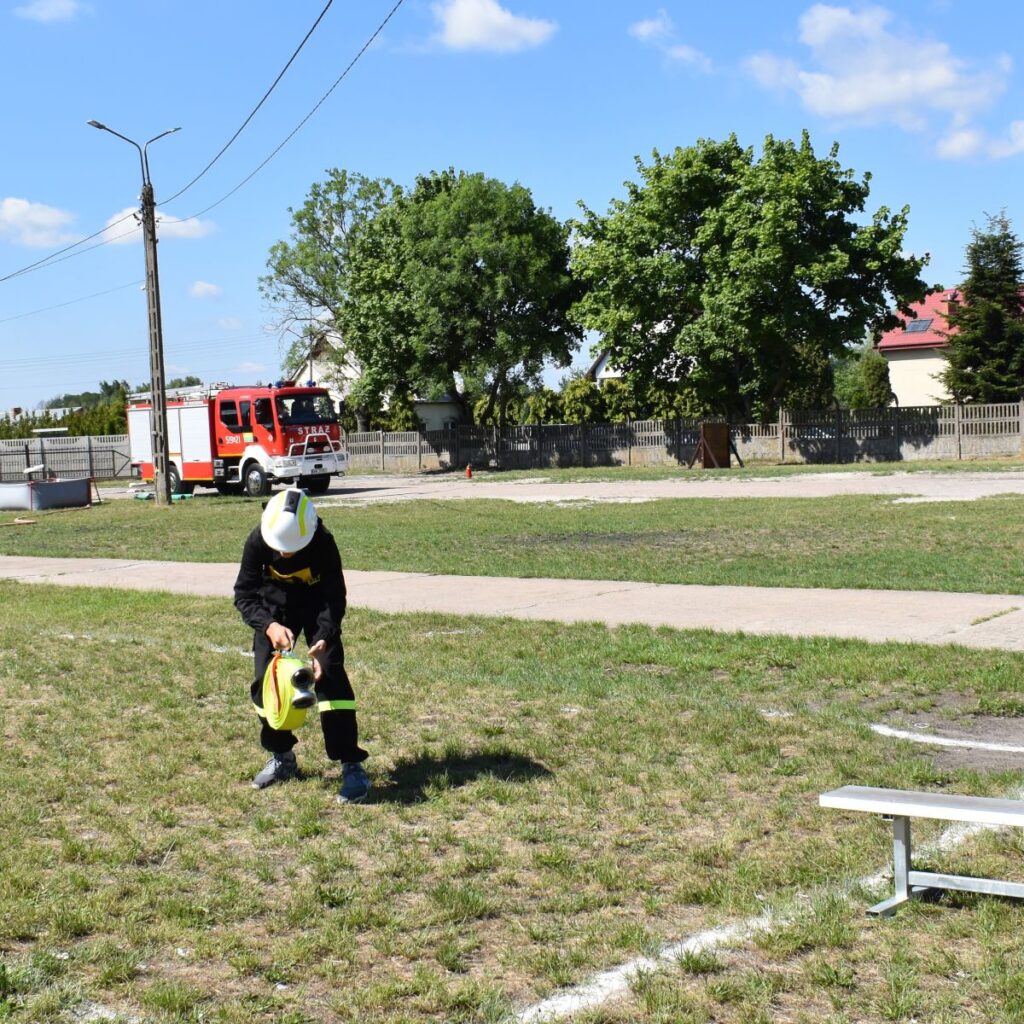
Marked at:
<point>986,338</point>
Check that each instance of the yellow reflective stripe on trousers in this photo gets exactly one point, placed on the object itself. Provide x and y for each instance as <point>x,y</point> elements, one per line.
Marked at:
<point>324,705</point>
<point>336,705</point>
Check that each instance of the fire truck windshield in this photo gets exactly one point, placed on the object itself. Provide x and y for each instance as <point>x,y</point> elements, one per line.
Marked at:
<point>305,410</point>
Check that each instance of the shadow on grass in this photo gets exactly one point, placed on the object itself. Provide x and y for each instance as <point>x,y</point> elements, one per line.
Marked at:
<point>412,778</point>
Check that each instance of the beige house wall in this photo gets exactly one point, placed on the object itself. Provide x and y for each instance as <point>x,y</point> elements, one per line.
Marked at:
<point>914,376</point>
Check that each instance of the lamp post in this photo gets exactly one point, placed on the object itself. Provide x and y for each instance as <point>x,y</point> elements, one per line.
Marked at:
<point>161,479</point>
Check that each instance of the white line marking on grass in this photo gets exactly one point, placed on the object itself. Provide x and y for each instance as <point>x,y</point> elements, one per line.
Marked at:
<point>617,981</point>
<point>944,741</point>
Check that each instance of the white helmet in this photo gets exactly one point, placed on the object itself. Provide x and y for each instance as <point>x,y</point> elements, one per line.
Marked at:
<point>289,521</point>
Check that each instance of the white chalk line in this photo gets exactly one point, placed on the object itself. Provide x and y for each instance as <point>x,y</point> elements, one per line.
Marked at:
<point>617,981</point>
<point>945,741</point>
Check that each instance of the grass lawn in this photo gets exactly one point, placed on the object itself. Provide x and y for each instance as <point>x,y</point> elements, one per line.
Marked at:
<point>855,541</point>
<point>550,801</point>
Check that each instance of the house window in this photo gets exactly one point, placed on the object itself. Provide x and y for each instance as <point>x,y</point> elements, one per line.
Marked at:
<point>917,326</point>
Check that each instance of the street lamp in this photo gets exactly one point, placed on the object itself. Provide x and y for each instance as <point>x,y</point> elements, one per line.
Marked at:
<point>161,461</point>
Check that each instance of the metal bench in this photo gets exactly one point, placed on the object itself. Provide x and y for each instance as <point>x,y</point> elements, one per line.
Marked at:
<point>901,806</point>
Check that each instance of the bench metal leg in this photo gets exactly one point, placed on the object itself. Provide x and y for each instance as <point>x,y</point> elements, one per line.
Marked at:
<point>901,871</point>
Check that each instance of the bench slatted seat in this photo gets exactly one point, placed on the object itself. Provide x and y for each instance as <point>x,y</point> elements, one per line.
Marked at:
<point>902,805</point>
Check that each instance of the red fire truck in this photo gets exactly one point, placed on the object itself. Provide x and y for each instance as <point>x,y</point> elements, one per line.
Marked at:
<point>242,440</point>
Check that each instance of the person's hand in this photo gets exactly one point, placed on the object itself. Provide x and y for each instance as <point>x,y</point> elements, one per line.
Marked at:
<point>280,637</point>
<point>314,658</point>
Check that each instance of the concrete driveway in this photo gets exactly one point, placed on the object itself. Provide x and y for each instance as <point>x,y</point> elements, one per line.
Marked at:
<point>917,486</point>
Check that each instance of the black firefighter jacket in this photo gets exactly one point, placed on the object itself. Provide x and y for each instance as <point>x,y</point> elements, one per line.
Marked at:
<point>306,590</point>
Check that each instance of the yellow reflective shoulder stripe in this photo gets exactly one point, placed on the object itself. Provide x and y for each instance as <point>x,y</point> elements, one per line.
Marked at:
<point>336,705</point>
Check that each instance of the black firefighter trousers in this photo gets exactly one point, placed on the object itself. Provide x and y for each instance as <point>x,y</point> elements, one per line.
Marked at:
<point>341,733</point>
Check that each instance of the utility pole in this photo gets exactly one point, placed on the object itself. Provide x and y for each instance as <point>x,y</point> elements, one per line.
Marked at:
<point>158,422</point>
<point>161,478</point>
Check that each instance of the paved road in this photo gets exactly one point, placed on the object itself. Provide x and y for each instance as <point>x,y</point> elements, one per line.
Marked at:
<point>918,486</point>
<point>974,620</point>
<point>963,486</point>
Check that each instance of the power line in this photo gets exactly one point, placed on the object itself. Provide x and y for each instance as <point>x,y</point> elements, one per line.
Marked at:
<point>355,60</point>
<point>70,302</point>
<point>252,113</point>
<point>25,365</point>
<point>66,253</point>
<point>47,260</point>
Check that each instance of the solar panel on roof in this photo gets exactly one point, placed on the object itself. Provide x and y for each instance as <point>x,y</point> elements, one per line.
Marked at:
<point>917,326</point>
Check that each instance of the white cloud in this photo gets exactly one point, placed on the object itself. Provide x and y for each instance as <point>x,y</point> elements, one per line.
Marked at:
<point>652,28</point>
<point>205,290</point>
<point>863,68</point>
<point>26,223</point>
<point>688,55</point>
<point>123,227</point>
<point>251,368</point>
<point>960,144</point>
<point>659,32</point>
<point>486,25</point>
<point>229,323</point>
<point>50,10</point>
<point>1012,144</point>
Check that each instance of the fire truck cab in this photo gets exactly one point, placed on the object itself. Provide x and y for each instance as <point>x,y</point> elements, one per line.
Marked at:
<point>242,440</point>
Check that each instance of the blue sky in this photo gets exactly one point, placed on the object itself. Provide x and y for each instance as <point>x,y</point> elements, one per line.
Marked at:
<point>560,96</point>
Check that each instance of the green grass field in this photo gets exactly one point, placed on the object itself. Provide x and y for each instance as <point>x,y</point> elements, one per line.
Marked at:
<point>857,541</point>
<point>550,801</point>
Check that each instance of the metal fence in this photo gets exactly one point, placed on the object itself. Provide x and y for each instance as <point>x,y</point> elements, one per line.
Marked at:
<point>812,436</point>
<point>101,458</point>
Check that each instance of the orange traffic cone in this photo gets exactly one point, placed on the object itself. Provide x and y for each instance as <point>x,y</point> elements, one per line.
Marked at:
<point>469,470</point>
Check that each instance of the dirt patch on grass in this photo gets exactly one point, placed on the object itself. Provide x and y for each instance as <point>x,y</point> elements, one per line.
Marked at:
<point>969,729</point>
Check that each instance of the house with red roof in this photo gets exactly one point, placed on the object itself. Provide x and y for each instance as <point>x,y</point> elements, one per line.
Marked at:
<point>915,351</point>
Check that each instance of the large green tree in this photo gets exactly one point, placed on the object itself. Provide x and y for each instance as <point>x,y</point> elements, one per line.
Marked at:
<point>308,279</point>
<point>985,357</point>
<point>461,283</point>
<point>731,280</point>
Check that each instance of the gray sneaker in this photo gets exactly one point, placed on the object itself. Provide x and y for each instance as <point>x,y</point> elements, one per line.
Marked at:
<point>279,768</point>
<point>355,783</point>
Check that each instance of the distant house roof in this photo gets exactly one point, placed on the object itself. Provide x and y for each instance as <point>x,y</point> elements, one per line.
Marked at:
<point>928,330</point>
<point>600,369</point>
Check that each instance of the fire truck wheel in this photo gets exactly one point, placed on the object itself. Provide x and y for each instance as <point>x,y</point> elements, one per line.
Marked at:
<point>175,483</point>
<point>315,484</point>
<point>256,483</point>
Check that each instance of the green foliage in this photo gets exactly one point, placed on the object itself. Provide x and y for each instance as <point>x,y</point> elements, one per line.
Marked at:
<point>985,357</point>
<point>620,401</point>
<point>461,278</point>
<point>308,275</point>
<point>874,369</point>
<point>862,380</point>
<point>106,415</point>
<point>735,279</point>
<point>185,382</point>
<point>542,406</point>
<point>582,401</point>
<point>399,415</point>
